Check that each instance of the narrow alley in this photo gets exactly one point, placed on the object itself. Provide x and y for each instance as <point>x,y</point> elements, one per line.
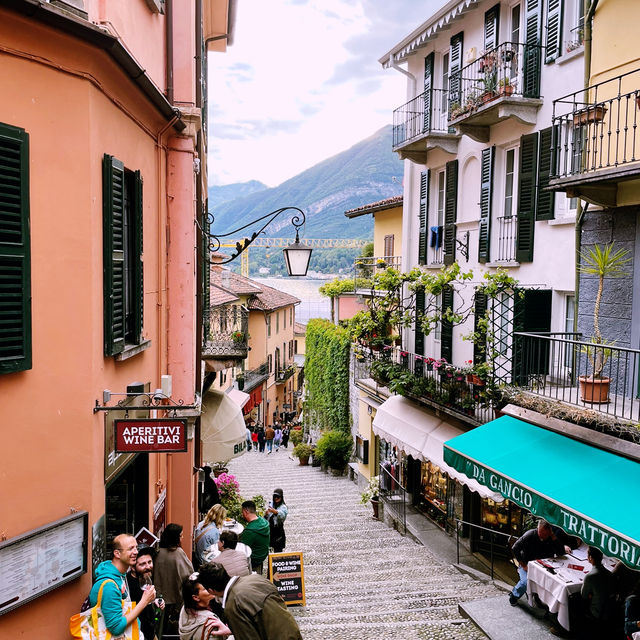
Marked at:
<point>363,580</point>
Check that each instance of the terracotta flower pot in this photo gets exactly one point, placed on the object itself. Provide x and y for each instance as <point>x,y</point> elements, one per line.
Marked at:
<point>304,461</point>
<point>375,503</point>
<point>594,390</point>
<point>595,113</point>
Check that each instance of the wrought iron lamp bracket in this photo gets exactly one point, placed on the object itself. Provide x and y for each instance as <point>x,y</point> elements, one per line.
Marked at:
<point>463,245</point>
<point>148,401</point>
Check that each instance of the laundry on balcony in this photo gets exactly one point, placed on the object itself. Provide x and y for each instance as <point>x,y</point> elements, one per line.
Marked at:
<point>435,241</point>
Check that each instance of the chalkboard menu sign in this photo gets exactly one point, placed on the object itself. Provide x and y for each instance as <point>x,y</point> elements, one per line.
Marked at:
<point>286,571</point>
<point>41,560</point>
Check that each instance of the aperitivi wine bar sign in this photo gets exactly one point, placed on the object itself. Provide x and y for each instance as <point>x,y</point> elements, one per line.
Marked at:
<point>150,435</point>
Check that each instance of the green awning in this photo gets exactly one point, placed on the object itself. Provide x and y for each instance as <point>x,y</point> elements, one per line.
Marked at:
<point>588,492</point>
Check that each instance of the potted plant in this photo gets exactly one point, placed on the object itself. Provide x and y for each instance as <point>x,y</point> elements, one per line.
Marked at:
<point>505,88</point>
<point>334,449</point>
<point>303,452</point>
<point>238,337</point>
<point>240,381</point>
<point>591,113</point>
<point>372,494</point>
<point>508,56</point>
<point>489,85</point>
<point>603,262</point>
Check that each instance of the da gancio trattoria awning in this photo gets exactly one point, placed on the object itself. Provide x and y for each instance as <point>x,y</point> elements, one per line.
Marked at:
<point>589,492</point>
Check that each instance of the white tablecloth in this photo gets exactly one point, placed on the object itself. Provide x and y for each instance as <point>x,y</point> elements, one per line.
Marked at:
<point>554,589</point>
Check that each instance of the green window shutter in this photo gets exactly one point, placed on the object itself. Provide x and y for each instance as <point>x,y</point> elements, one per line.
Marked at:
<point>138,272</point>
<point>554,30</point>
<point>455,64</point>
<point>479,311</point>
<point>419,338</point>
<point>545,199</point>
<point>446,333</point>
<point>527,197</point>
<point>532,55</point>
<point>450,211</point>
<point>424,217</point>
<point>491,26</point>
<point>428,85</point>
<point>486,188</point>
<point>113,254</point>
<point>15,251</point>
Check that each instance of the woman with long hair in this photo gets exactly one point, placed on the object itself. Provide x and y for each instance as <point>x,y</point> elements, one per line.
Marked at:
<point>197,621</point>
<point>172,566</point>
<point>207,532</point>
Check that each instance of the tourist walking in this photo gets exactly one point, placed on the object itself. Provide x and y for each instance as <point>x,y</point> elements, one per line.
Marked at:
<point>269,435</point>
<point>254,439</point>
<point>248,439</point>
<point>276,514</point>
<point>261,438</point>
<point>277,438</point>
<point>286,431</point>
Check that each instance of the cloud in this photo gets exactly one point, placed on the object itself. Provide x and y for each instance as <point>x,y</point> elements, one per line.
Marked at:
<point>252,129</point>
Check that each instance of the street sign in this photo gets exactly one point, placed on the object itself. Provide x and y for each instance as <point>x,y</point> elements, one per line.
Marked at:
<point>145,538</point>
<point>286,571</point>
<point>150,435</point>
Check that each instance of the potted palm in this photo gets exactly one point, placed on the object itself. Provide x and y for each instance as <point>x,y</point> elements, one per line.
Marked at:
<point>372,494</point>
<point>603,262</point>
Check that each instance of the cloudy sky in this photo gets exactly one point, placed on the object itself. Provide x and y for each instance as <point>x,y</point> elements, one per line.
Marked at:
<point>302,82</point>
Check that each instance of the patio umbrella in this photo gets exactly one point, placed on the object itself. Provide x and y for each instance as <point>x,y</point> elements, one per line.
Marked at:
<point>222,428</point>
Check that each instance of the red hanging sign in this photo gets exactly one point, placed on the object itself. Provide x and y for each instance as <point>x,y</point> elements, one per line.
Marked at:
<point>150,435</point>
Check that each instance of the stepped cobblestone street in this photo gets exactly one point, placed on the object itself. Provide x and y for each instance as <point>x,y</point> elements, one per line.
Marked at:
<point>363,579</point>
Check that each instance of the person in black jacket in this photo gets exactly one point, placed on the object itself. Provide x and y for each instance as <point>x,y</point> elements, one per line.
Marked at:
<point>210,495</point>
<point>541,542</point>
<point>139,576</point>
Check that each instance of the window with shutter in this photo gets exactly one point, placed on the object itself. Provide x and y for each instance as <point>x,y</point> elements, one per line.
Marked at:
<point>15,252</point>
<point>423,217</point>
<point>446,332</point>
<point>388,245</point>
<point>491,26</point>
<point>450,212</point>
<point>486,188</point>
<point>419,336</point>
<point>532,49</point>
<point>527,197</point>
<point>554,30</point>
<point>122,256</point>
<point>455,64</point>
<point>545,199</point>
<point>428,86</point>
<point>479,312</point>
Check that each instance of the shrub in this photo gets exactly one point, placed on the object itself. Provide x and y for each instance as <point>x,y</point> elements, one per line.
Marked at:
<point>295,436</point>
<point>302,450</point>
<point>334,448</point>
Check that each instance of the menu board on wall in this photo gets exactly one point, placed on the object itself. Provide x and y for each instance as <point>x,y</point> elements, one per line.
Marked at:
<point>41,560</point>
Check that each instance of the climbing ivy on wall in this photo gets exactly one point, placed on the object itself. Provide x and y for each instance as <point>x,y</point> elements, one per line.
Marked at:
<point>326,371</point>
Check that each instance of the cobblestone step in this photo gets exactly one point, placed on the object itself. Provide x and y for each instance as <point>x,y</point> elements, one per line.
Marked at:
<point>363,580</point>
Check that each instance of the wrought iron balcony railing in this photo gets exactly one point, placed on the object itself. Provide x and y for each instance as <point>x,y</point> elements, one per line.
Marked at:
<point>254,377</point>
<point>226,332</point>
<point>420,116</point>
<point>561,367</point>
<point>596,130</point>
<point>506,239</point>
<point>284,373</point>
<point>510,70</point>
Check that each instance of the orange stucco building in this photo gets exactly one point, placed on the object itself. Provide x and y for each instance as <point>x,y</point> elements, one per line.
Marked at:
<point>102,176</point>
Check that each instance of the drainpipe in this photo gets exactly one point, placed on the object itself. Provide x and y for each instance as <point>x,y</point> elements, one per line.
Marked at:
<point>168,22</point>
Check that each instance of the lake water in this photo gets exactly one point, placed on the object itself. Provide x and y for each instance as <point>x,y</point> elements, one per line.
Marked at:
<point>313,304</point>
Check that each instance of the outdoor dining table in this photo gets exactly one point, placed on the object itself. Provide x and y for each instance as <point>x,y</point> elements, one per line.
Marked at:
<point>554,589</point>
<point>212,552</point>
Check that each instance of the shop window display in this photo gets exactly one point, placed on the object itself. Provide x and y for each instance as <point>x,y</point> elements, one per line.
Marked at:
<point>434,493</point>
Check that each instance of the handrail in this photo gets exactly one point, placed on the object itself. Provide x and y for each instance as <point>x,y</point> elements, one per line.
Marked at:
<point>477,526</point>
<point>403,493</point>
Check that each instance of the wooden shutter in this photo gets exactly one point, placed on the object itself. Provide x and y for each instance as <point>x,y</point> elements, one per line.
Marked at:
<point>527,197</point>
<point>532,55</point>
<point>455,64</point>
<point>424,217</point>
<point>428,86</point>
<point>554,30</point>
<point>479,311</point>
<point>544,199</point>
<point>486,188</point>
<point>15,251</point>
<point>113,254</point>
<point>138,274</point>
<point>491,28</point>
<point>446,333</point>
<point>450,211</point>
<point>388,245</point>
<point>419,336</point>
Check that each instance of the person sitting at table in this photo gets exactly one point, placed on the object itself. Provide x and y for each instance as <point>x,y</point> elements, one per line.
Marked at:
<point>597,590</point>
<point>537,543</point>
<point>632,613</point>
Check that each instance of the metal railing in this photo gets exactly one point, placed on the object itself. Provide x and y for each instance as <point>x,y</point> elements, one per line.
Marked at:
<point>395,495</point>
<point>226,332</point>
<point>510,69</point>
<point>506,240</point>
<point>254,377</point>
<point>491,532</point>
<point>366,268</point>
<point>283,373</point>
<point>597,128</point>
<point>561,366</point>
<point>421,115</point>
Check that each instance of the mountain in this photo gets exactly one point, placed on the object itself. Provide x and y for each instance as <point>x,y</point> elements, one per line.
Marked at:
<point>228,192</point>
<point>367,172</point>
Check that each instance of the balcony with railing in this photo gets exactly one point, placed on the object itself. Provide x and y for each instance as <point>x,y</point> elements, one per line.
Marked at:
<point>564,367</point>
<point>596,142</point>
<point>255,377</point>
<point>366,267</point>
<point>422,124</point>
<point>283,373</point>
<point>502,83</point>
<point>225,333</point>
<point>429,381</point>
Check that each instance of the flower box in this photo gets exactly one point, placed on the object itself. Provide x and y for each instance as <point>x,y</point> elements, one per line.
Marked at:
<point>595,113</point>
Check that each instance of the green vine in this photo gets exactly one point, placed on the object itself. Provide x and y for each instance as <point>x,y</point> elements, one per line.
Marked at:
<point>326,371</point>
